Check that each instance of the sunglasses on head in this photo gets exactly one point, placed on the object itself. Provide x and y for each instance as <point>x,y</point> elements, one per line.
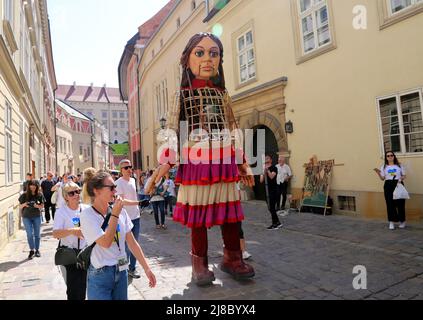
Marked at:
<point>127,167</point>
<point>72,193</point>
<point>111,187</point>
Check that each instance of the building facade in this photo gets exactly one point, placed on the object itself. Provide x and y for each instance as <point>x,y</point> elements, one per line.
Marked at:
<point>336,71</point>
<point>82,141</point>
<point>27,85</point>
<point>100,103</point>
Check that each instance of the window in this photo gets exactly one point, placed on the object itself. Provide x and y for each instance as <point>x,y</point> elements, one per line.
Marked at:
<point>8,116</point>
<point>401,123</point>
<point>115,124</point>
<point>122,125</point>
<point>115,114</point>
<point>122,114</point>
<point>104,122</point>
<point>81,150</point>
<point>9,157</point>
<point>21,149</point>
<point>89,151</point>
<point>8,11</point>
<point>314,24</point>
<point>246,57</point>
<point>346,203</point>
<point>104,114</point>
<point>178,23</point>
<point>399,5</point>
<point>116,134</point>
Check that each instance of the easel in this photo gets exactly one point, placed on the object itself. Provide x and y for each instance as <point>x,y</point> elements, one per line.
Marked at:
<point>314,180</point>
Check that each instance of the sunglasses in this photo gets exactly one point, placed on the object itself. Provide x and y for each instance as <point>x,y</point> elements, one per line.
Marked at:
<point>390,156</point>
<point>112,187</point>
<point>72,193</point>
<point>127,167</point>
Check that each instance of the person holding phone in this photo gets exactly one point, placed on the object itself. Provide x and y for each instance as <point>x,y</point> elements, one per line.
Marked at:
<point>107,277</point>
<point>269,178</point>
<point>31,204</point>
<point>392,173</point>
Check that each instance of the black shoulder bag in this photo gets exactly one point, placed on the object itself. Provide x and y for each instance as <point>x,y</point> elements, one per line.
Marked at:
<point>64,255</point>
<point>83,259</point>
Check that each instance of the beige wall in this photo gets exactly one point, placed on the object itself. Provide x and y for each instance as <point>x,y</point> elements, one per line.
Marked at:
<point>331,98</point>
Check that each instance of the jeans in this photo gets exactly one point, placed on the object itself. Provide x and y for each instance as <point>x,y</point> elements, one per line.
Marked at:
<point>273,198</point>
<point>169,204</point>
<point>282,191</point>
<point>156,206</point>
<point>107,283</point>
<point>47,207</point>
<point>136,233</point>
<point>32,228</point>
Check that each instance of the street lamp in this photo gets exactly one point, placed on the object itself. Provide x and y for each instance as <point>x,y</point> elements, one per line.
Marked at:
<point>163,123</point>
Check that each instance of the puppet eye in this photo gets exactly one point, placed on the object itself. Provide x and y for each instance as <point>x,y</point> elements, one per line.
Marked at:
<point>199,53</point>
<point>214,54</point>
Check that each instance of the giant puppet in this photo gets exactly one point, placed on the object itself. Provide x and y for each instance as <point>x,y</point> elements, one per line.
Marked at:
<point>208,171</point>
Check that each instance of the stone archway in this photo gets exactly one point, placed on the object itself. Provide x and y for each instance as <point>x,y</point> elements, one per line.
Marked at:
<point>265,119</point>
<point>276,143</point>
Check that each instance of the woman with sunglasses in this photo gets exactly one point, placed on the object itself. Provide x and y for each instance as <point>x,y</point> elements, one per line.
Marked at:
<point>31,203</point>
<point>67,228</point>
<point>110,228</point>
<point>392,173</point>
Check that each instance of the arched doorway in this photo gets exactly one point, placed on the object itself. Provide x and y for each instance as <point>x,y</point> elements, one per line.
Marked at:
<point>271,146</point>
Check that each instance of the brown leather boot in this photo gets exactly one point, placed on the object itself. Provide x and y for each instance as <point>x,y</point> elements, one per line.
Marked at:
<point>201,275</point>
<point>235,265</point>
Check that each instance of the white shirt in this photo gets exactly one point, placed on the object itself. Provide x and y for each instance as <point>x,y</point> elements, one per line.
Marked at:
<point>170,187</point>
<point>127,190</point>
<point>91,222</point>
<point>60,202</point>
<point>66,218</point>
<point>283,172</point>
<point>393,172</point>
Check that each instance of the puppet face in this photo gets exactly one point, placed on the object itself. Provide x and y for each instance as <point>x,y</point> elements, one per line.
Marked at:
<point>204,59</point>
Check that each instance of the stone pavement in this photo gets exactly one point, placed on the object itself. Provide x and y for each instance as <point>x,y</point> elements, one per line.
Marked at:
<point>311,257</point>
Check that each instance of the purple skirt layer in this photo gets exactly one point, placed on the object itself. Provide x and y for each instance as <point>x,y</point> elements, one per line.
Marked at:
<point>208,216</point>
<point>207,174</point>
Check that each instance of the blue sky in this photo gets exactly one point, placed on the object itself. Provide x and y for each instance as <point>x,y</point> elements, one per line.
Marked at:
<point>89,36</point>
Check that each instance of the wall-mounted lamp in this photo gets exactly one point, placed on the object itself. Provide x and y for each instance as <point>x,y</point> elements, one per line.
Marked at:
<point>163,123</point>
<point>289,127</point>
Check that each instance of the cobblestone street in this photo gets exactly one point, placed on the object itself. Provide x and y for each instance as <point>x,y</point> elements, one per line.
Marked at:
<point>311,257</point>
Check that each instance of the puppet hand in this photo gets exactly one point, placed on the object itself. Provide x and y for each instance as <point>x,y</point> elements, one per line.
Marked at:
<point>246,175</point>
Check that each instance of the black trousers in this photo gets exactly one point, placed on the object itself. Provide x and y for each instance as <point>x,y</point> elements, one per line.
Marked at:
<point>76,282</point>
<point>282,191</point>
<point>47,206</point>
<point>395,208</point>
<point>273,200</point>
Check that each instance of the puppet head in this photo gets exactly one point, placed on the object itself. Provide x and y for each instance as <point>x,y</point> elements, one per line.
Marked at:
<point>203,59</point>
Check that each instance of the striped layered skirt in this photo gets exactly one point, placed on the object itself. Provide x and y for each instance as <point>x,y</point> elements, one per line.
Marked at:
<point>208,193</point>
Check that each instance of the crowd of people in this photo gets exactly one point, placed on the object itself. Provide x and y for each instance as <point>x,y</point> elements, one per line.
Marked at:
<point>71,200</point>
